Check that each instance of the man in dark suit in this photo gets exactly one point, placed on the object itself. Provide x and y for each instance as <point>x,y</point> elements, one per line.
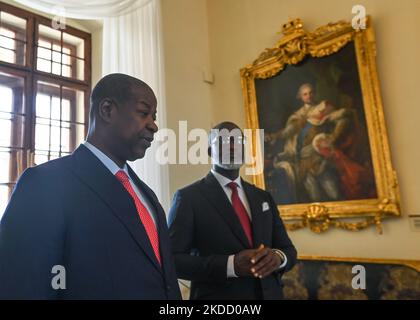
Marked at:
<point>85,226</point>
<point>227,236</point>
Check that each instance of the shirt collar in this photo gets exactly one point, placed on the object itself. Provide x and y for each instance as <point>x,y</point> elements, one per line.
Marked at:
<point>223,181</point>
<point>110,164</point>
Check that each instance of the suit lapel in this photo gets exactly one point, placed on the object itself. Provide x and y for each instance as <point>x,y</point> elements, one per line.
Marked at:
<point>93,173</point>
<point>256,213</point>
<point>217,197</point>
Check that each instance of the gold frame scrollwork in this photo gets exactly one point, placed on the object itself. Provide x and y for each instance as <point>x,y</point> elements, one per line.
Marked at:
<point>292,48</point>
<point>415,264</point>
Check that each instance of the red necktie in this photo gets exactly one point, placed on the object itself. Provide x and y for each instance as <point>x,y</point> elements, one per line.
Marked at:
<point>144,214</point>
<point>241,211</point>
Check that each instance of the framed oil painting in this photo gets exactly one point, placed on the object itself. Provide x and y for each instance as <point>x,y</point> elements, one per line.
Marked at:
<point>326,154</point>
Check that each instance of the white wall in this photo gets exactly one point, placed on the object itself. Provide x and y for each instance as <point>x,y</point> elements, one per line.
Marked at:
<point>187,55</point>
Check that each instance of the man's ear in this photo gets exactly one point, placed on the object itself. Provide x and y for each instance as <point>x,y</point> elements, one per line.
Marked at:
<point>106,108</point>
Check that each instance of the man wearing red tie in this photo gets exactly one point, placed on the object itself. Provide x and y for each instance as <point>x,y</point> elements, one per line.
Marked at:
<point>88,215</point>
<point>227,236</point>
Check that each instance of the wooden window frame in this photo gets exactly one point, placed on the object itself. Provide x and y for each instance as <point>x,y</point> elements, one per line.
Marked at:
<point>19,55</point>
<point>23,157</point>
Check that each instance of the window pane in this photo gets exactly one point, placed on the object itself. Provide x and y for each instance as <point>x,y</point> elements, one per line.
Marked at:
<point>4,166</point>
<point>6,95</point>
<point>56,68</point>
<point>7,55</point>
<point>66,50</point>
<point>44,156</point>
<point>40,157</point>
<point>43,121</point>
<point>11,130</point>
<point>44,43</point>
<point>58,113</point>
<point>65,139</point>
<point>48,37</point>
<point>12,111</point>
<point>77,43</point>
<point>43,108</point>
<point>80,111</point>
<point>5,130</point>
<point>66,59</point>
<point>48,33</point>
<point>67,55</point>
<point>65,110</point>
<point>4,198</point>
<point>66,71</point>
<point>55,108</point>
<point>42,136</point>
<point>12,133</point>
<point>54,155</point>
<point>55,138</point>
<point>44,53</point>
<point>7,43</point>
<point>12,38</point>
<point>18,25</point>
<point>56,56</point>
<point>7,33</point>
<point>43,65</point>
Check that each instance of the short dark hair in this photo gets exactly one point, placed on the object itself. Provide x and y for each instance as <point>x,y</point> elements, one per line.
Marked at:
<point>223,127</point>
<point>117,86</point>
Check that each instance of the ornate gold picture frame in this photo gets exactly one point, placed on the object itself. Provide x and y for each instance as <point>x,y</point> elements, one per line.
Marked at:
<point>326,152</point>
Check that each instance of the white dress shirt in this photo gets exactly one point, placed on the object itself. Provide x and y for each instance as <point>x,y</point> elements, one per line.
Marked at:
<point>114,168</point>
<point>223,181</point>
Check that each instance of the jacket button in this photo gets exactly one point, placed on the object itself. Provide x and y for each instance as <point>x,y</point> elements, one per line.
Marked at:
<point>168,287</point>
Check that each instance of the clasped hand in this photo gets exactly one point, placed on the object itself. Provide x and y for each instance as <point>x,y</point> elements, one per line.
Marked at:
<point>258,263</point>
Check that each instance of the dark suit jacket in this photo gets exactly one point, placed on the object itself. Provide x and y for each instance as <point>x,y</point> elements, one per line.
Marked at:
<point>205,230</point>
<point>73,212</point>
